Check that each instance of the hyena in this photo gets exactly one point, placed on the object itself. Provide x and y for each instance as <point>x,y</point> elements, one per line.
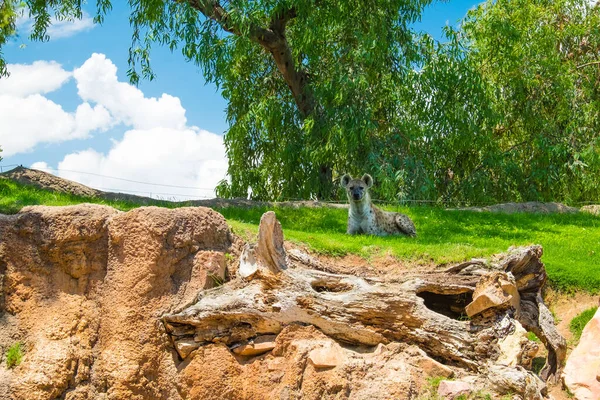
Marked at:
<point>364,217</point>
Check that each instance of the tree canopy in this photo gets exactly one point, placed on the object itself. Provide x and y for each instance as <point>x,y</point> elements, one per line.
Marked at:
<point>505,109</point>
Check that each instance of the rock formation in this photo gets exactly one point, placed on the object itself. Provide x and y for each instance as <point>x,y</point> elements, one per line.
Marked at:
<point>114,305</point>
<point>582,371</point>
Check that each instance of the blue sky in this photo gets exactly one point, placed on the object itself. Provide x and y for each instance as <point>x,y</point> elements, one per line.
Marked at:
<point>65,109</point>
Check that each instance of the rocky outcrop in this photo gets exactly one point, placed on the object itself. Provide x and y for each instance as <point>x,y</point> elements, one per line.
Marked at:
<point>84,287</point>
<point>114,305</point>
<point>527,207</point>
<point>591,209</point>
<point>503,296</point>
<point>582,371</point>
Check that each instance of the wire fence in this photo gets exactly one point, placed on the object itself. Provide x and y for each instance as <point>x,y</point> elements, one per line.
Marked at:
<point>7,167</point>
<point>169,196</point>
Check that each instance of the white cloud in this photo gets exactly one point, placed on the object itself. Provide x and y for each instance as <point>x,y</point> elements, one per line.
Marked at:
<point>27,121</point>
<point>159,147</point>
<point>39,77</point>
<point>41,166</point>
<point>97,82</point>
<point>58,29</point>
<point>65,28</point>
<point>27,118</point>
<point>181,164</point>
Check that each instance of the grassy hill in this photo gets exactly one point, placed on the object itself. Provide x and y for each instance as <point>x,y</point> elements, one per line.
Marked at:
<point>571,241</point>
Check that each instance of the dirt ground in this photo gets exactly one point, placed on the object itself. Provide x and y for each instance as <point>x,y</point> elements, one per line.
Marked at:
<point>565,307</point>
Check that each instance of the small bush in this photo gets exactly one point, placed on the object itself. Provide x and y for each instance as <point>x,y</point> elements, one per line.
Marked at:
<point>579,322</point>
<point>14,355</point>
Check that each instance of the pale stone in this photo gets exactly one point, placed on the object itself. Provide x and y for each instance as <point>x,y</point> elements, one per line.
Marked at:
<point>583,365</point>
<point>453,389</point>
<point>592,209</point>
<point>429,366</point>
<point>494,290</point>
<point>185,347</point>
<point>330,355</point>
<point>266,255</point>
<point>516,348</point>
<point>277,364</point>
<point>248,265</point>
<point>270,243</point>
<point>260,345</point>
<point>516,380</point>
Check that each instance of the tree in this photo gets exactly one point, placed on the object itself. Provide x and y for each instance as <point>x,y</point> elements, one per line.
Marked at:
<point>541,60</point>
<point>508,109</point>
<point>308,82</point>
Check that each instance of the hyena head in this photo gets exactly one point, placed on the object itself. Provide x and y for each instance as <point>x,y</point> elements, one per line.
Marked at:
<point>357,189</point>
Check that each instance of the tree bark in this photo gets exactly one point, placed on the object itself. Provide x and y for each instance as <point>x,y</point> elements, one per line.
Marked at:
<point>429,309</point>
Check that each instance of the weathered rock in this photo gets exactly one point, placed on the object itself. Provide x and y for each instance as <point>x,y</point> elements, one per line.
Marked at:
<point>583,365</point>
<point>260,345</point>
<point>516,380</point>
<point>496,290</point>
<point>185,346</point>
<point>268,254</point>
<point>270,243</point>
<point>86,289</point>
<point>420,308</point>
<point>329,355</point>
<point>592,209</point>
<point>453,389</point>
<point>86,285</point>
<point>530,276</point>
<point>516,348</point>
<point>527,207</point>
<point>430,367</point>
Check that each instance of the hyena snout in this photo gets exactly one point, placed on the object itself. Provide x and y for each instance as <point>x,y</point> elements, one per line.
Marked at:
<point>357,193</point>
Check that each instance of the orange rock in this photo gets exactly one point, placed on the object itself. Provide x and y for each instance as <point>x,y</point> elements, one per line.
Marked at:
<point>330,355</point>
<point>260,345</point>
<point>494,290</point>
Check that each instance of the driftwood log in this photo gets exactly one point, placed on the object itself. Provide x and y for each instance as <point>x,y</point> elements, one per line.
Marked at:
<point>462,316</point>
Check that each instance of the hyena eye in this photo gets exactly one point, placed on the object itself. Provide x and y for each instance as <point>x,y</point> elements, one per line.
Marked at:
<point>351,187</point>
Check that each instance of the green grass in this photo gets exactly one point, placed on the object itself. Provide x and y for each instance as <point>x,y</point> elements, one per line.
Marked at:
<point>14,196</point>
<point>14,355</point>
<point>580,321</point>
<point>571,241</point>
<point>532,336</point>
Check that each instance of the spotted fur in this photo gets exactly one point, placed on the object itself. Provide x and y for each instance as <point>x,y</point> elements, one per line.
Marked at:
<point>364,217</point>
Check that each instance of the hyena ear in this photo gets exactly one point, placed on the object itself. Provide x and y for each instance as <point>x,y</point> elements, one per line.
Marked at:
<point>345,180</point>
<point>368,180</point>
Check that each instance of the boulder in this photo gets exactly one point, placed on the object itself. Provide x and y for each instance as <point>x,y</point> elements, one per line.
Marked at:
<point>260,345</point>
<point>85,286</point>
<point>581,372</point>
<point>496,290</point>
<point>452,389</point>
<point>592,209</point>
<point>327,356</point>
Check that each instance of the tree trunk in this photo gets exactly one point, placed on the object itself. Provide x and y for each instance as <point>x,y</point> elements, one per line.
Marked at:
<point>462,316</point>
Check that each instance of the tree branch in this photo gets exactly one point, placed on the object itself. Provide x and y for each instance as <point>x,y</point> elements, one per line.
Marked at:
<point>271,39</point>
